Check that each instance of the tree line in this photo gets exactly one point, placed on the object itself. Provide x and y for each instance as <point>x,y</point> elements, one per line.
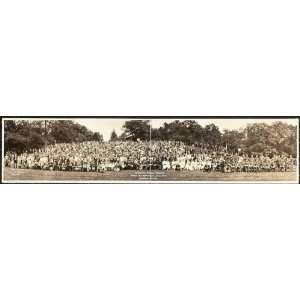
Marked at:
<point>23,135</point>
<point>277,137</point>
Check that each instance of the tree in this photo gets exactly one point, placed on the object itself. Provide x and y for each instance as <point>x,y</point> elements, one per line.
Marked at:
<point>233,139</point>
<point>113,136</point>
<point>136,129</point>
<point>22,135</point>
<point>212,134</point>
<point>188,131</point>
<point>277,138</point>
<point>97,137</point>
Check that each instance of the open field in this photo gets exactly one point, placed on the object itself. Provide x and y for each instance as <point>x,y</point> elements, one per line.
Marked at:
<point>220,176</point>
<point>23,174</point>
<point>38,175</point>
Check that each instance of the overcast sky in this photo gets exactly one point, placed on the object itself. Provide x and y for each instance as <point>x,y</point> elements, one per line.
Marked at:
<point>105,126</point>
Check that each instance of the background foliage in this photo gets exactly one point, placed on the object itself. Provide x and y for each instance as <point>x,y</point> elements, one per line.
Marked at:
<point>23,135</point>
<point>277,137</point>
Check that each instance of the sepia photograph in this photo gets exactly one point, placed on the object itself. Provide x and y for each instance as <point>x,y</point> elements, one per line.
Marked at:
<point>149,150</point>
<point>225,150</point>
<point>78,150</point>
<point>155,150</point>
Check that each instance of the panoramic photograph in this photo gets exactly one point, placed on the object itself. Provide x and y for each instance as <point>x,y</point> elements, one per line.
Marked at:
<point>150,150</point>
<point>225,150</point>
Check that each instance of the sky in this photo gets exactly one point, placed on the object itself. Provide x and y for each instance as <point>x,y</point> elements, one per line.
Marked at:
<point>106,126</point>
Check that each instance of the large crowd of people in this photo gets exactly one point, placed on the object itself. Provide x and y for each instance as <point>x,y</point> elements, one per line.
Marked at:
<point>141,155</point>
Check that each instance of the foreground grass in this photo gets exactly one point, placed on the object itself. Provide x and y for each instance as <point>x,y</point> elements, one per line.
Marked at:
<point>38,175</point>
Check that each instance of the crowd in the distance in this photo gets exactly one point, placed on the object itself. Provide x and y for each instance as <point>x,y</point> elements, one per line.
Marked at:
<point>141,155</point>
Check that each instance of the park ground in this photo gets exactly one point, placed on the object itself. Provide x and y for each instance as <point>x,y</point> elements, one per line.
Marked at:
<point>140,176</point>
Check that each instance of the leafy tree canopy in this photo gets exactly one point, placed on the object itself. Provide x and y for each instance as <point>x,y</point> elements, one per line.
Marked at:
<point>136,129</point>
<point>23,135</point>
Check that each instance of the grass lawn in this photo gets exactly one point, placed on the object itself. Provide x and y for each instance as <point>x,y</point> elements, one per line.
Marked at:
<point>126,175</point>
